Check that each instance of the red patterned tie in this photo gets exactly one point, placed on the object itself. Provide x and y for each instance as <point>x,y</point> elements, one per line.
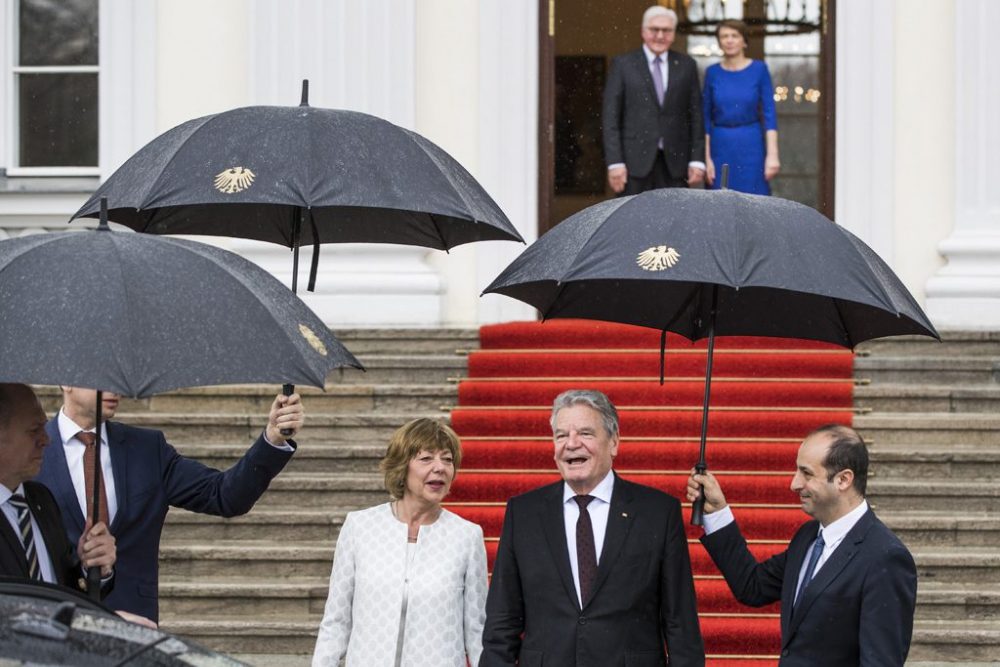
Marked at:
<point>89,455</point>
<point>586,553</point>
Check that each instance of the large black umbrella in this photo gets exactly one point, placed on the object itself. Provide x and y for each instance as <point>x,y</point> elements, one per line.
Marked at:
<point>139,315</point>
<point>301,175</point>
<point>706,263</point>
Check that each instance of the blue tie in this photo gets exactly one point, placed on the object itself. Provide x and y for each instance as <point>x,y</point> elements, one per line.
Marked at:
<point>817,551</point>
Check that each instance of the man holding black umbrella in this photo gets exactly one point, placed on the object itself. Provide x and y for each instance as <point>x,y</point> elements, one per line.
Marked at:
<point>846,583</point>
<point>143,476</point>
<point>33,542</point>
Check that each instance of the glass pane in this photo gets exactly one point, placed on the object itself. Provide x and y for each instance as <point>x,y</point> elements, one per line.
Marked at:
<point>58,120</point>
<point>58,32</point>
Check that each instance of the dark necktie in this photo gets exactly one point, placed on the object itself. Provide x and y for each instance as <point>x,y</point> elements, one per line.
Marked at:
<point>586,553</point>
<point>27,535</point>
<point>89,456</point>
<point>817,551</point>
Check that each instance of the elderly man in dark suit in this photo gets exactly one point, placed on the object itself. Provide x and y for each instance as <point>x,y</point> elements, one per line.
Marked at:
<point>847,585</point>
<point>33,542</point>
<point>654,133</point>
<point>592,570</point>
<point>144,476</point>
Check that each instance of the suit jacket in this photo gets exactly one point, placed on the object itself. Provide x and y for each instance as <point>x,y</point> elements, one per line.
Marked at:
<point>43,507</point>
<point>857,610</point>
<point>643,595</point>
<point>150,477</point>
<point>634,122</point>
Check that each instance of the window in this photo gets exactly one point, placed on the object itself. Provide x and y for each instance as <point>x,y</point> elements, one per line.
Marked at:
<point>53,105</point>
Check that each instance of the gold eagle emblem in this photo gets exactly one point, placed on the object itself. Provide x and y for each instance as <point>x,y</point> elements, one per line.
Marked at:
<point>312,339</point>
<point>657,258</point>
<point>234,179</point>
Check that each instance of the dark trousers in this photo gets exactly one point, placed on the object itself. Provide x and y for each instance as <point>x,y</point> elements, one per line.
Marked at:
<point>658,177</point>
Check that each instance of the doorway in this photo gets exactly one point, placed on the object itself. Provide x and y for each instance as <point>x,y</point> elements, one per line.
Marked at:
<point>579,38</point>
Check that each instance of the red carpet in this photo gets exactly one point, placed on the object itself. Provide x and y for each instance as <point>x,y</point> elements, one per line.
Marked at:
<point>767,393</point>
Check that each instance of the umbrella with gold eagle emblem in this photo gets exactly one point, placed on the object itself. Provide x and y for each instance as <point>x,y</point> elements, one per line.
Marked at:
<point>707,263</point>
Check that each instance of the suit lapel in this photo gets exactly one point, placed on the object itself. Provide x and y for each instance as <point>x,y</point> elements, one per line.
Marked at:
<point>673,76</point>
<point>642,65</point>
<point>620,518</point>
<point>13,545</point>
<point>793,564</point>
<point>119,464</point>
<point>554,527</point>
<point>832,568</point>
<point>62,484</point>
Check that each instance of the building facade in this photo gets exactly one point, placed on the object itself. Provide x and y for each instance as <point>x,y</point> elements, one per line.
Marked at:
<point>915,86</point>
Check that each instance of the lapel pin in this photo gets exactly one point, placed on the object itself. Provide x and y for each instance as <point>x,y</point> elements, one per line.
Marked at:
<point>625,514</point>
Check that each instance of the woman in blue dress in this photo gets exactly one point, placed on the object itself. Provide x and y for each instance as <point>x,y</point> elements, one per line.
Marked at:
<point>741,127</point>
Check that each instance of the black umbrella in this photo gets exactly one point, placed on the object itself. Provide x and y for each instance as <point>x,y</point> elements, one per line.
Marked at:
<point>139,315</point>
<point>301,175</point>
<point>706,263</point>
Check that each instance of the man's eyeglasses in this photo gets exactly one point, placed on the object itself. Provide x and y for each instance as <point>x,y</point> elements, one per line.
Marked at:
<point>661,31</point>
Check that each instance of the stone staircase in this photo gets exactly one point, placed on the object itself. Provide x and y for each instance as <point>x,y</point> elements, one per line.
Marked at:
<point>255,586</point>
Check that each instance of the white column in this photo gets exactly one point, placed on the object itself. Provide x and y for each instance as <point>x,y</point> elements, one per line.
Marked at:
<point>863,200</point>
<point>965,293</point>
<point>508,138</point>
<point>358,56</point>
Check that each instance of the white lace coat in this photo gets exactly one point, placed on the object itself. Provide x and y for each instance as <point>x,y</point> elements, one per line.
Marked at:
<point>446,593</point>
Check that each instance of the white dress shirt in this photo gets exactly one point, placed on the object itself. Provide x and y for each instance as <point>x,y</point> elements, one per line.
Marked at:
<point>598,509</point>
<point>74,450</point>
<point>9,511</point>
<point>833,534</point>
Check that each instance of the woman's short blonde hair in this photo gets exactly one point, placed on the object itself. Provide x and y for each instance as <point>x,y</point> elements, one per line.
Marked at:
<point>410,439</point>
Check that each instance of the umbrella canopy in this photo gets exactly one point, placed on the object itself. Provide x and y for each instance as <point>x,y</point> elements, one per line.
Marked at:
<point>139,315</point>
<point>778,268</point>
<point>301,175</point>
<point>706,263</point>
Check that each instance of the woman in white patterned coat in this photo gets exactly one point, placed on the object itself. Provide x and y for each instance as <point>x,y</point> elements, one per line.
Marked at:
<point>408,586</point>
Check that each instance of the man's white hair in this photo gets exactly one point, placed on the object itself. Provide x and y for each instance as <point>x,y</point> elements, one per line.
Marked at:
<point>658,10</point>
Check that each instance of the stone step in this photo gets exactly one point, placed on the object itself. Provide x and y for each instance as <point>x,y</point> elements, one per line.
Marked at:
<point>955,642</point>
<point>230,429</point>
<point>966,565</point>
<point>307,559</point>
<point>952,343</point>
<point>305,659</point>
<point>243,598</point>
<point>315,457</point>
<point>948,641</point>
<point>260,558</point>
<point>416,342</point>
<point>937,529</point>
<point>942,601</point>
<point>282,525</point>
<point>921,461</point>
<point>932,428</point>
<point>928,398</point>
<point>934,495</point>
<point>319,490</point>
<point>403,369</point>
<point>256,399</point>
<point>937,370</point>
<point>945,529</point>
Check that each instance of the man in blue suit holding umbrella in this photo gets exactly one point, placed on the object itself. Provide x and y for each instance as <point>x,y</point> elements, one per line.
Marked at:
<point>143,476</point>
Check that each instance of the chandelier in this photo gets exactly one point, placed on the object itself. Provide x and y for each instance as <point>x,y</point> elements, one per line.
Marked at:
<point>763,17</point>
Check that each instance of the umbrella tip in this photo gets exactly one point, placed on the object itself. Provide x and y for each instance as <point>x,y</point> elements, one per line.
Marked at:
<point>305,93</point>
<point>725,177</point>
<point>103,224</point>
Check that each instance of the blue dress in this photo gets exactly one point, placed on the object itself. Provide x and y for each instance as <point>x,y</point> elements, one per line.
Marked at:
<point>739,109</point>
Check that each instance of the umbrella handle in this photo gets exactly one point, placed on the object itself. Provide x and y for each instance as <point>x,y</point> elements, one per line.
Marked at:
<point>287,390</point>
<point>698,506</point>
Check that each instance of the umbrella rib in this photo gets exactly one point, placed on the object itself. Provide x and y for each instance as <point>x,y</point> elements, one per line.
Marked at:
<point>458,191</point>
<point>142,200</point>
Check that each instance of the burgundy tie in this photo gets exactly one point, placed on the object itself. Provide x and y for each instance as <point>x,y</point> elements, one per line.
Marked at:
<point>586,553</point>
<point>89,456</point>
